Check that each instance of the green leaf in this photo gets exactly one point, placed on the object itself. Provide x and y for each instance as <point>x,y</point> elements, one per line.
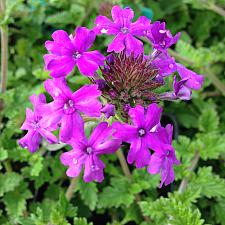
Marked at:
<point>209,120</point>
<point>15,201</point>
<point>81,221</point>
<point>209,184</point>
<point>3,154</point>
<point>8,182</point>
<point>88,192</point>
<point>117,194</point>
<point>218,209</point>
<point>174,210</point>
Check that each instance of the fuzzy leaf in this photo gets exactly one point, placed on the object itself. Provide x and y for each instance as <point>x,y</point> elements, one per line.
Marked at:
<point>88,192</point>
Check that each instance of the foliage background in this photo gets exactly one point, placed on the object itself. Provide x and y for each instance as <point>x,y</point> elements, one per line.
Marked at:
<point>33,186</point>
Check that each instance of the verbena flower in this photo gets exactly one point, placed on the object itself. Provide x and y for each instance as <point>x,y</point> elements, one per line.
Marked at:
<point>129,85</point>
<point>160,37</point>
<point>164,157</point>
<point>85,153</point>
<point>140,133</point>
<point>37,126</point>
<point>66,107</point>
<point>67,51</point>
<point>180,91</point>
<point>123,29</point>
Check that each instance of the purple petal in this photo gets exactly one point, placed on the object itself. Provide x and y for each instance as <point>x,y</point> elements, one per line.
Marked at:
<point>139,153</point>
<point>51,138</point>
<point>86,101</point>
<point>75,161</point>
<point>122,17</point>
<point>155,164</point>
<point>47,59</point>
<point>99,133</point>
<point>66,130</point>
<point>61,66</point>
<point>93,169</point>
<point>58,89</point>
<point>125,132</point>
<point>83,39</point>
<point>194,81</point>
<point>105,26</point>
<point>137,116</point>
<point>89,62</point>
<point>153,116</point>
<point>60,36</point>
<point>107,147</point>
<point>133,45</point>
<point>60,49</point>
<point>117,45</point>
<point>29,119</point>
<point>31,141</point>
<point>140,27</point>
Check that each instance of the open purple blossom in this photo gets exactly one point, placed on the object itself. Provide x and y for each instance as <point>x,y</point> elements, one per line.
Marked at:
<point>67,51</point>
<point>139,134</point>
<point>37,126</point>
<point>108,110</point>
<point>123,29</point>
<point>160,37</point>
<point>180,91</point>
<point>194,81</point>
<point>86,152</point>
<point>164,157</point>
<point>65,108</point>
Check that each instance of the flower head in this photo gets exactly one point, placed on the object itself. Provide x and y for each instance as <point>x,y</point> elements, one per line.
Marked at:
<point>140,133</point>
<point>130,80</point>
<point>36,126</point>
<point>65,108</point>
<point>86,152</point>
<point>67,51</point>
<point>123,29</point>
<point>164,157</point>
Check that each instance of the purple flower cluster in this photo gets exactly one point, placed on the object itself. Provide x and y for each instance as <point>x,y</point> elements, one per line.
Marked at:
<point>125,80</point>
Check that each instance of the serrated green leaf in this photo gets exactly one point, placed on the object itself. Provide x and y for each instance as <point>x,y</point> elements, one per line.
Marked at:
<point>8,182</point>
<point>81,221</point>
<point>209,184</point>
<point>209,120</point>
<point>88,192</point>
<point>117,194</point>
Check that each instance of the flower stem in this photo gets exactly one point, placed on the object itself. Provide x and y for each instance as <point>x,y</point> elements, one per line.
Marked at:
<point>192,167</point>
<point>123,164</point>
<point>70,189</point>
<point>127,173</point>
<point>4,49</point>
<point>220,11</point>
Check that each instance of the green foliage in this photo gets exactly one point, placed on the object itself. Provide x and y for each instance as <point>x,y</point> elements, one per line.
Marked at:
<point>33,186</point>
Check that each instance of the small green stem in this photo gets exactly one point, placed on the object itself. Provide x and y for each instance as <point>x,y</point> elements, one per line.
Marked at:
<point>70,189</point>
<point>123,164</point>
<point>127,173</point>
<point>192,167</point>
<point>4,49</point>
<point>220,11</point>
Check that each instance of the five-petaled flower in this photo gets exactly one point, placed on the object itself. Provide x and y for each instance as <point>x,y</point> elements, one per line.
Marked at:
<point>67,51</point>
<point>66,107</point>
<point>123,29</point>
<point>164,157</point>
<point>86,152</point>
<point>140,133</point>
<point>37,126</point>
